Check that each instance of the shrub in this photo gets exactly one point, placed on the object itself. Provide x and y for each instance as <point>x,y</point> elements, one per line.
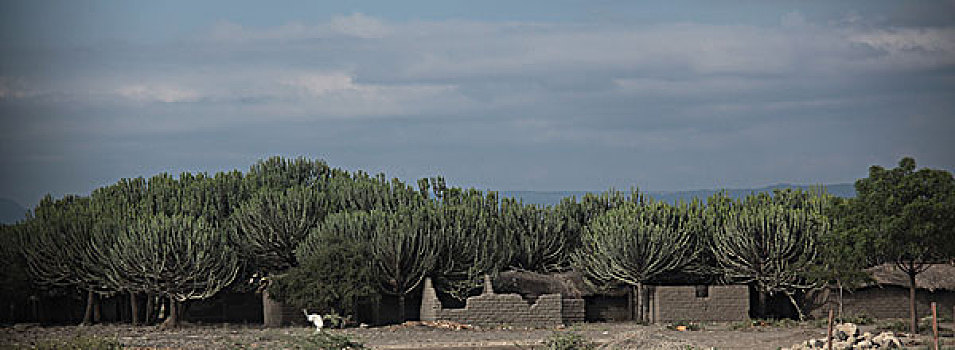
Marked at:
<point>326,341</point>
<point>568,341</point>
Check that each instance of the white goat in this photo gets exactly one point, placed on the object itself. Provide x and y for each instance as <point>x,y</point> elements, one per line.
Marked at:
<point>315,319</point>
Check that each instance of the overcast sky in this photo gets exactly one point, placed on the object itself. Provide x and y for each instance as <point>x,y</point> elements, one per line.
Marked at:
<point>506,95</point>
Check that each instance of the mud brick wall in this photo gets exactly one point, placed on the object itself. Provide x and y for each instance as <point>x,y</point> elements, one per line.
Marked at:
<point>601,308</point>
<point>681,303</point>
<point>882,302</point>
<point>490,309</point>
<point>277,314</point>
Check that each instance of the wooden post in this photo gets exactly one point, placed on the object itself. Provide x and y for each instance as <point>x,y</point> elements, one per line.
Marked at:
<point>934,326</point>
<point>829,332</point>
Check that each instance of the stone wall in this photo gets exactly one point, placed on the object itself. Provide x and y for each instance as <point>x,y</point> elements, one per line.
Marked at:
<point>699,303</point>
<point>490,309</point>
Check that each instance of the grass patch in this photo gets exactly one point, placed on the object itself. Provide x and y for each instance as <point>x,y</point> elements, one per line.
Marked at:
<point>79,342</point>
<point>325,341</point>
<point>568,341</point>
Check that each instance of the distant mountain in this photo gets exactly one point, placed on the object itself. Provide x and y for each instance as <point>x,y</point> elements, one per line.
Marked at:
<point>11,212</point>
<point>554,197</point>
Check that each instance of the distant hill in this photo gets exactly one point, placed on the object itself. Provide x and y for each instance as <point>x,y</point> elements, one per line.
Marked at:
<point>10,211</point>
<point>554,197</point>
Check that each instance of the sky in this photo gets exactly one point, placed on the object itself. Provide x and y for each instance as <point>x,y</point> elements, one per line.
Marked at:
<point>503,95</point>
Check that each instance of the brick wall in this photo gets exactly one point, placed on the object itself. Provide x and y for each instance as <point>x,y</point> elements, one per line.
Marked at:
<point>493,309</point>
<point>276,314</point>
<point>882,302</point>
<point>681,303</point>
<point>602,308</point>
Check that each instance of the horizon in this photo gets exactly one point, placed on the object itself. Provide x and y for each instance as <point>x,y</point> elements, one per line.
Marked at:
<point>533,96</point>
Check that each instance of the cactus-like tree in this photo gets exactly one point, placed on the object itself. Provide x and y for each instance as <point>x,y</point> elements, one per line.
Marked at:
<point>404,249</point>
<point>637,243</point>
<point>769,241</point>
<point>179,257</point>
<point>274,222</point>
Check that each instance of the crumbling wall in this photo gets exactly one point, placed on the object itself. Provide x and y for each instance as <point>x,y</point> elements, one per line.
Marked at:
<point>495,309</point>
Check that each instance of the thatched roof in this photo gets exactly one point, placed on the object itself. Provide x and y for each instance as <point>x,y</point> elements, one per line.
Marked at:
<point>569,284</point>
<point>937,276</point>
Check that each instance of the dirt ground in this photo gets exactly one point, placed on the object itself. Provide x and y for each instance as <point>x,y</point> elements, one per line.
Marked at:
<point>609,335</point>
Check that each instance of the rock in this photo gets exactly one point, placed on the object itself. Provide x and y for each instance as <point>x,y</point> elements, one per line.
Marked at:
<point>847,330</point>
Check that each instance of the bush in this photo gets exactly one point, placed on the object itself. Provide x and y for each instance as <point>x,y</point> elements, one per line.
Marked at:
<point>568,341</point>
<point>334,276</point>
<point>326,341</point>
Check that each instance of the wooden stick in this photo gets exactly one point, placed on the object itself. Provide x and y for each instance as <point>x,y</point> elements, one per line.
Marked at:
<point>829,337</point>
<point>935,325</point>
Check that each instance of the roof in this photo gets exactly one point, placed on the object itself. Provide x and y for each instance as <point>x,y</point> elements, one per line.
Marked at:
<point>568,284</point>
<point>937,276</point>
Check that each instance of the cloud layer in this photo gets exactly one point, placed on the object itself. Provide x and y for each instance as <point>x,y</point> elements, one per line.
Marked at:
<point>501,104</point>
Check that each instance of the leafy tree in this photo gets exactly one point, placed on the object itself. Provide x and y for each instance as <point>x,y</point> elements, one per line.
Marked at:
<point>335,273</point>
<point>769,241</point>
<point>635,244</point>
<point>179,257</point>
<point>906,215</point>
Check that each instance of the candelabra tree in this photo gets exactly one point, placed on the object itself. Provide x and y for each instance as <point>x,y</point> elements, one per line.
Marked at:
<point>274,222</point>
<point>179,257</point>
<point>539,237</point>
<point>56,245</point>
<point>471,240</point>
<point>768,242</point>
<point>637,243</point>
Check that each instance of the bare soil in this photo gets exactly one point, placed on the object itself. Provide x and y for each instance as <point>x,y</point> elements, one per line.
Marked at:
<point>609,335</point>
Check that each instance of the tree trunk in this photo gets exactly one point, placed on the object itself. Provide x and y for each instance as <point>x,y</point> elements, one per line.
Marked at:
<point>88,315</point>
<point>97,309</point>
<point>133,308</point>
<point>150,312</point>
<point>640,315</point>
<point>173,320</point>
<point>630,304</point>
<point>913,321</point>
<point>761,301</point>
<point>401,307</point>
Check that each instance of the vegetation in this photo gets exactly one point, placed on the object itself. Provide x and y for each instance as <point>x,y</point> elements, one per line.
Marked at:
<point>636,243</point>
<point>568,341</point>
<point>906,217</point>
<point>770,242</point>
<point>331,240</point>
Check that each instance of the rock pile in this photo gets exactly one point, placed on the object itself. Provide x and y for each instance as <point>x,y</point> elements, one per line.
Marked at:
<point>846,337</point>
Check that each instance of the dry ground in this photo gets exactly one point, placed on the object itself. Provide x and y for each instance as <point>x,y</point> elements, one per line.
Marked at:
<point>611,335</point>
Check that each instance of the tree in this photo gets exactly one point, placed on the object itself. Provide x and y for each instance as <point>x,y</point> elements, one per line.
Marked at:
<point>635,244</point>
<point>179,257</point>
<point>471,241</point>
<point>906,214</point>
<point>56,244</point>
<point>769,242</point>
<point>274,222</point>
<point>335,272</point>
<point>403,248</point>
<point>538,236</point>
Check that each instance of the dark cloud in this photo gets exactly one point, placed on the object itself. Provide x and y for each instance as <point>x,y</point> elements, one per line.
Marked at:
<point>505,105</point>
